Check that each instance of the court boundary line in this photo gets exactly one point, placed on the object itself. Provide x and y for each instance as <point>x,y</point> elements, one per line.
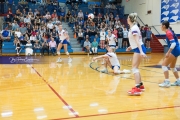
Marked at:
<point>63,101</point>
<point>122,112</point>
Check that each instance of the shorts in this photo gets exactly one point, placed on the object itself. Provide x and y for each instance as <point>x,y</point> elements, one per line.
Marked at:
<point>125,39</point>
<point>114,66</point>
<point>64,41</point>
<point>112,46</point>
<point>136,50</point>
<point>148,39</point>
<point>176,51</point>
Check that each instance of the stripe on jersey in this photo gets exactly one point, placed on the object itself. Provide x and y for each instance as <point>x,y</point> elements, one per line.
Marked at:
<point>172,41</point>
<point>134,32</point>
<point>109,55</point>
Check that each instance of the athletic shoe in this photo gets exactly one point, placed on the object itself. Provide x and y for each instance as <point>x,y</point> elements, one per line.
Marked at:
<point>142,88</point>
<point>104,71</point>
<point>69,60</point>
<point>59,60</point>
<point>176,83</point>
<point>165,84</point>
<point>126,71</point>
<point>135,91</point>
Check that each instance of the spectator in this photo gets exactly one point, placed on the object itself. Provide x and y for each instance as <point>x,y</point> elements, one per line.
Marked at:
<point>33,37</point>
<point>15,40</point>
<point>143,33</point>
<point>37,47</point>
<point>125,38</point>
<point>15,18</point>
<point>45,47</point>
<point>23,30</point>
<point>97,38</point>
<point>80,36</point>
<point>29,30</point>
<point>22,40</point>
<point>94,46</point>
<point>9,12</point>
<point>54,15</point>
<point>6,35</point>
<point>68,16</point>
<point>120,37</point>
<point>62,15</point>
<point>18,47</point>
<point>87,46</point>
<point>117,17</point>
<point>17,32</point>
<point>27,20</point>
<point>28,49</point>
<point>15,26</point>
<point>115,32</point>
<point>8,20</point>
<point>102,39</point>
<point>80,14</point>
<point>106,17</point>
<point>52,46</point>
<point>50,26</point>
<point>148,37</point>
<point>86,16</point>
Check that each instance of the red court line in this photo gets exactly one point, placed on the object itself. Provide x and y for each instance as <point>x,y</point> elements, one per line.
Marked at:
<point>72,110</point>
<point>123,112</point>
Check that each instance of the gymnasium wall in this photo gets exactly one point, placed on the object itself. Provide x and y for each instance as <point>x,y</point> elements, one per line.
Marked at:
<point>153,19</point>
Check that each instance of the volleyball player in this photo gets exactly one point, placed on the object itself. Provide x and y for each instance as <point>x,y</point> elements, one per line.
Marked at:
<point>112,61</point>
<point>63,36</point>
<point>171,56</point>
<point>136,44</point>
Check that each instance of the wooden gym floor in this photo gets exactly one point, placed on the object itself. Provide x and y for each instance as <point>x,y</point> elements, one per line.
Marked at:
<point>77,91</point>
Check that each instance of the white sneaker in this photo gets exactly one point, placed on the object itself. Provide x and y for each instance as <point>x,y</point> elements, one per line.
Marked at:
<point>59,60</point>
<point>165,84</point>
<point>69,60</point>
<point>126,71</point>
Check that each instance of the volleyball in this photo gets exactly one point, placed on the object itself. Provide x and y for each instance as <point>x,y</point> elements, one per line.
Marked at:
<point>91,16</point>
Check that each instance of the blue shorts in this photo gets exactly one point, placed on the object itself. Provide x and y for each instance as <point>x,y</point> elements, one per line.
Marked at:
<point>64,41</point>
<point>112,46</point>
<point>136,50</point>
<point>176,51</point>
<point>114,66</point>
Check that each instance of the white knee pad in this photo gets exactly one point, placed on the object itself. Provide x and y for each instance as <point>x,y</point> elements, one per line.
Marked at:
<point>135,70</point>
<point>164,68</point>
<point>173,70</point>
<point>67,53</point>
<point>58,52</point>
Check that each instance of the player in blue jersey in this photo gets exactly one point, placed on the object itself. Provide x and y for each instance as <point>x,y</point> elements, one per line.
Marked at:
<point>171,56</point>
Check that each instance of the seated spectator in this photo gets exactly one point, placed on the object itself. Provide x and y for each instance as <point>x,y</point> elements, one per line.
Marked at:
<point>15,26</point>
<point>62,15</point>
<point>18,47</point>
<point>87,46</point>
<point>8,19</point>
<point>17,32</point>
<point>45,47</point>
<point>33,37</point>
<point>47,17</point>
<point>80,14</point>
<point>97,38</point>
<point>86,16</point>
<point>30,13</point>
<point>23,30</point>
<point>6,34</point>
<point>18,12</point>
<point>50,26</point>
<point>102,38</point>
<point>94,46</point>
<point>81,22</point>
<point>68,16</point>
<point>28,49</point>
<point>9,27</point>
<point>54,34</point>
<point>27,20</point>
<point>54,15</point>
<point>15,40</point>
<point>115,32</point>
<point>71,19</point>
<point>29,30</point>
<point>37,46</point>
<point>9,12</point>
<point>117,17</point>
<point>52,46</point>
<point>15,18</point>
<point>22,40</point>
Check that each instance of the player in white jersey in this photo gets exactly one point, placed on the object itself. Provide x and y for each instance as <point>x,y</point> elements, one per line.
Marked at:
<point>64,38</point>
<point>112,40</point>
<point>136,44</point>
<point>112,61</point>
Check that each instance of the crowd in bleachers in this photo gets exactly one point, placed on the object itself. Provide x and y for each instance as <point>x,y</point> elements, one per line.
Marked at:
<point>38,28</point>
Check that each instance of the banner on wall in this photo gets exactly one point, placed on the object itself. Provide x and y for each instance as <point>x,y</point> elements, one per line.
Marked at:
<point>170,10</point>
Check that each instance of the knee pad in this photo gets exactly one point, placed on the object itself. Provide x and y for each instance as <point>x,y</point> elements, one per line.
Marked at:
<point>58,52</point>
<point>164,68</point>
<point>135,70</point>
<point>67,53</point>
<point>173,70</point>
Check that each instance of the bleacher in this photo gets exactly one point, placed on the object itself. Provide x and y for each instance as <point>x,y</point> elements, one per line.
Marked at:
<point>9,48</point>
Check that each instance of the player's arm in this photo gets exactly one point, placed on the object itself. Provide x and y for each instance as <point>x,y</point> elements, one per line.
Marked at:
<point>172,41</point>
<point>100,57</point>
